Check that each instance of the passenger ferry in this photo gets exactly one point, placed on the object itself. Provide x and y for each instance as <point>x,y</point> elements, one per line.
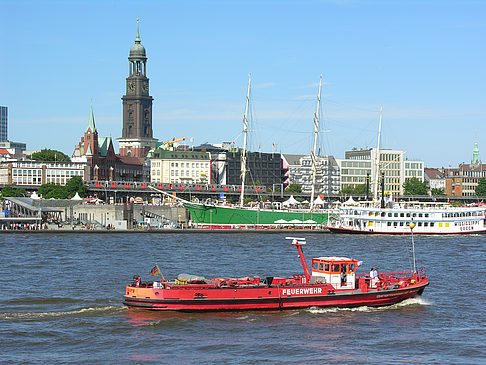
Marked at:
<point>395,218</point>
<point>332,281</point>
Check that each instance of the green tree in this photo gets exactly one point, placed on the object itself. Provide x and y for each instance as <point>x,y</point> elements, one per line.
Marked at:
<point>348,190</point>
<point>13,192</point>
<point>357,190</point>
<point>414,186</point>
<point>481,188</point>
<point>294,188</point>
<point>360,189</point>
<point>51,190</point>
<point>76,185</point>
<point>436,191</point>
<point>49,155</point>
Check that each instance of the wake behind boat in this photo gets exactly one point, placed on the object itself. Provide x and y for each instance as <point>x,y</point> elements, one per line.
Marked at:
<point>331,282</point>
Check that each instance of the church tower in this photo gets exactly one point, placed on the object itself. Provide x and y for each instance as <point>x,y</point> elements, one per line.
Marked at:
<point>476,161</point>
<point>137,138</point>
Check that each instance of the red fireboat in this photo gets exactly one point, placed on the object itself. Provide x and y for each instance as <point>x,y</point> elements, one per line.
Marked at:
<point>333,282</point>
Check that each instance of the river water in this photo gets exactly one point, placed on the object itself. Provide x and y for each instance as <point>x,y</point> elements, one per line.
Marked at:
<point>61,301</point>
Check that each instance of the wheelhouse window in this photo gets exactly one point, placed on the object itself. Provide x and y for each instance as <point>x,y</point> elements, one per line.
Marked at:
<point>335,268</point>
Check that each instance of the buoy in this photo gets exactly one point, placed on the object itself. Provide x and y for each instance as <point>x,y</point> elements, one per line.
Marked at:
<point>412,225</point>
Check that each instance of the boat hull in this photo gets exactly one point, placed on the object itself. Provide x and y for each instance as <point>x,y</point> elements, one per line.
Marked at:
<point>221,217</point>
<point>265,298</point>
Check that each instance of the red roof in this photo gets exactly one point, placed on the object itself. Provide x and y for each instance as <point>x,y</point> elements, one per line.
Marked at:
<point>130,160</point>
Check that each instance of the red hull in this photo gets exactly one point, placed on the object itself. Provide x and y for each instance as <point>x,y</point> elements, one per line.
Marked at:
<point>265,297</point>
<point>333,282</point>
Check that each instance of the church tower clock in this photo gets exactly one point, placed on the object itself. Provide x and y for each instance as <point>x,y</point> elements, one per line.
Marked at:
<point>137,138</point>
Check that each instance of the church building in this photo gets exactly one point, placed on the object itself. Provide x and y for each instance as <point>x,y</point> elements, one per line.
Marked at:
<point>99,155</point>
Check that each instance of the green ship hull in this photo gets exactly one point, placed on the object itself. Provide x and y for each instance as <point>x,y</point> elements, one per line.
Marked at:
<point>220,217</point>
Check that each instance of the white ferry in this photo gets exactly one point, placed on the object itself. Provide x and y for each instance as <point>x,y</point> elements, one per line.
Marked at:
<point>429,218</point>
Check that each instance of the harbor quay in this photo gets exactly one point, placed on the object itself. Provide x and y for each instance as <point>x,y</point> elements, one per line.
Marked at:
<point>20,215</point>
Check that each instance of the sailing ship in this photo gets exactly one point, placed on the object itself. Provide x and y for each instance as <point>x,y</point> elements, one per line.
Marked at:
<point>215,216</point>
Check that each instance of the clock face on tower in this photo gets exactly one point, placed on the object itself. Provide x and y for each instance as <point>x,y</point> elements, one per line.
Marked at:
<point>131,87</point>
<point>145,87</point>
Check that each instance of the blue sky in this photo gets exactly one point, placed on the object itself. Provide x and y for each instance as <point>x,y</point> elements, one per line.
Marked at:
<point>423,61</point>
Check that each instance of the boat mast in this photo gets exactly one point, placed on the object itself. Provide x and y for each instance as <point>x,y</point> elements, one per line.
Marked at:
<point>313,153</point>
<point>376,176</point>
<point>243,152</point>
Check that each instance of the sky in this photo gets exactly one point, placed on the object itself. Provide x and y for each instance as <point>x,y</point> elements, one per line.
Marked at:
<point>423,62</point>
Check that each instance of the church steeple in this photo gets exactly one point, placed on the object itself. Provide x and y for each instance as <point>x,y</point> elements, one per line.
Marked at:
<point>91,121</point>
<point>138,57</point>
<point>137,138</point>
<point>91,136</point>
<point>475,160</point>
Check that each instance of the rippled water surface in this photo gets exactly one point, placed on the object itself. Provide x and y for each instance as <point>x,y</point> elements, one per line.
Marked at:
<point>62,293</point>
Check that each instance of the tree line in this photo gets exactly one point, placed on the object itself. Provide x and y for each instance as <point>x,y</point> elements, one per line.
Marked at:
<point>51,190</point>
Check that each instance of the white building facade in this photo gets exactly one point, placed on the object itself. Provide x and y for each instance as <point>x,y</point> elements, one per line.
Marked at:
<point>180,167</point>
<point>360,163</point>
<point>300,172</point>
<point>35,173</point>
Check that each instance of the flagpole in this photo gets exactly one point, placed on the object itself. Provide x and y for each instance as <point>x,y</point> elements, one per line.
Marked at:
<point>160,272</point>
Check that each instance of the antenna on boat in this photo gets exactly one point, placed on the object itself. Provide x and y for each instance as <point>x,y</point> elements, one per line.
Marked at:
<point>412,226</point>
<point>243,152</point>
<point>313,154</point>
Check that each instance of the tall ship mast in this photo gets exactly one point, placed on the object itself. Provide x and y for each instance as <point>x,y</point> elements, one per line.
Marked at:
<point>313,153</point>
<point>245,134</point>
<point>376,174</point>
<point>265,214</point>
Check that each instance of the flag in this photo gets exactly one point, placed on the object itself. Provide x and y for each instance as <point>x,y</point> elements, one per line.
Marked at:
<point>155,271</point>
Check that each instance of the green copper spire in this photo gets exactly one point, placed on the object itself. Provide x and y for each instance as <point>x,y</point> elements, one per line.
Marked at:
<point>91,122</point>
<point>476,160</point>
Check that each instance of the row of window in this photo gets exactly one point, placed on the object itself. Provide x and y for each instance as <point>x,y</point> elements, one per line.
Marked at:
<point>419,215</point>
<point>188,164</point>
<point>333,268</point>
<point>389,157</point>
<point>356,164</point>
<point>29,180</point>
<point>414,165</point>
<point>187,173</point>
<point>355,172</point>
<point>413,173</point>
<point>432,224</point>
<point>419,224</point>
<point>19,172</point>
